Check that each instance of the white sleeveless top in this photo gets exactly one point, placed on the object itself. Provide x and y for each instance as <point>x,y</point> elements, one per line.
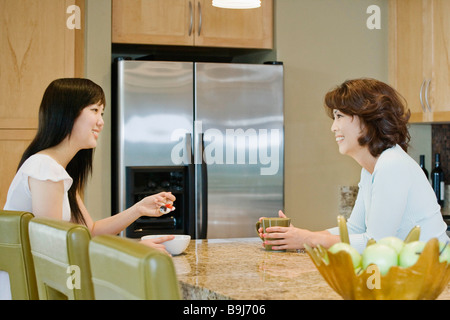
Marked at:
<point>40,167</point>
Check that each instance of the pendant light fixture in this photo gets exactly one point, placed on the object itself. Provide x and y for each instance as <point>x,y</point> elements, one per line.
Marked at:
<point>237,4</point>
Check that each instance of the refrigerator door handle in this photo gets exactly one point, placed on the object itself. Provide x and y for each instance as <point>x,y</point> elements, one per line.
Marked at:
<point>204,192</point>
<point>190,204</point>
<point>188,157</point>
<point>201,197</point>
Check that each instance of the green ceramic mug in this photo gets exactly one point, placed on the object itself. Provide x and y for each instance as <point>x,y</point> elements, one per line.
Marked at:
<point>272,222</point>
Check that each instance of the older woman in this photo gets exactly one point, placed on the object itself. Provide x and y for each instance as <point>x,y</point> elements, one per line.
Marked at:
<point>370,125</point>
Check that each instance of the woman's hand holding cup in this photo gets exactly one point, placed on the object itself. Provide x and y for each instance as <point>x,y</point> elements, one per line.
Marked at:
<point>264,226</point>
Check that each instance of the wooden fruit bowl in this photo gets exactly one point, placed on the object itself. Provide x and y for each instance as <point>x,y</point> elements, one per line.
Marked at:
<point>426,279</point>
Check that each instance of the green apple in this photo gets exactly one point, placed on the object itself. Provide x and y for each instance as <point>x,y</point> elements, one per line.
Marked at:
<point>380,254</point>
<point>444,252</point>
<point>354,254</point>
<point>393,242</point>
<point>410,253</point>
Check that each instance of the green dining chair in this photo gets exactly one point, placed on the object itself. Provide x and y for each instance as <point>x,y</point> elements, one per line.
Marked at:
<point>15,254</point>
<point>125,269</point>
<point>61,259</point>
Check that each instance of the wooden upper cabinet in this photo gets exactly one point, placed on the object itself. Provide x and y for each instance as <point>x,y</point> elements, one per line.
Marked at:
<point>37,47</point>
<point>248,28</point>
<point>162,22</point>
<point>419,60</point>
<point>440,70</point>
<point>407,56</point>
<point>192,23</point>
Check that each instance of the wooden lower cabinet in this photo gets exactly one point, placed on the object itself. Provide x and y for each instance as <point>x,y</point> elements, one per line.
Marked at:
<point>12,145</point>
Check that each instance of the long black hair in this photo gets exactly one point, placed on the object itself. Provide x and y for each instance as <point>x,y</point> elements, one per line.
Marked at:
<point>62,103</point>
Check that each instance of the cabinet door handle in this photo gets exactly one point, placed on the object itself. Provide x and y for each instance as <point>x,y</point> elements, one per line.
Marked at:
<point>426,95</point>
<point>421,96</point>
<point>199,18</point>
<point>192,18</point>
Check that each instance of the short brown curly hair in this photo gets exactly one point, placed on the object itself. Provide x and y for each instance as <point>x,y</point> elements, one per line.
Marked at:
<point>380,108</point>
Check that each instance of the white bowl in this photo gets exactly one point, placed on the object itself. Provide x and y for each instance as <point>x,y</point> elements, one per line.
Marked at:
<point>175,246</point>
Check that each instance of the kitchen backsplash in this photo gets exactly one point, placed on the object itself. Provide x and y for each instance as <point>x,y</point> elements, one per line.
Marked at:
<point>347,197</point>
<point>440,136</point>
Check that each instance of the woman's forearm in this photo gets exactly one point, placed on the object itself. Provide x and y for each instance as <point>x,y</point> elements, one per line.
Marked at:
<point>116,223</point>
<point>149,206</point>
<point>296,238</point>
<point>324,238</point>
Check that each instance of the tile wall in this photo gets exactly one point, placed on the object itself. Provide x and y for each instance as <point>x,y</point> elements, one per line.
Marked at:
<point>440,135</point>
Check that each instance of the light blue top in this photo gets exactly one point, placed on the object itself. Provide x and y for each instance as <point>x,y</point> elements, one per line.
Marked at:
<point>392,200</point>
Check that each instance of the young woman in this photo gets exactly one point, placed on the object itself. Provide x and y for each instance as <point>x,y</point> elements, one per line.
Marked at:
<point>54,168</point>
<point>370,125</point>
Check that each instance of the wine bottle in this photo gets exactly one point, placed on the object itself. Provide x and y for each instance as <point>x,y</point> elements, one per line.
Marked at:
<point>437,180</point>
<point>422,165</point>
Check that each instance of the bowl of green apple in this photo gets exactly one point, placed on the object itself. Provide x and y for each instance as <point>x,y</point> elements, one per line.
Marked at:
<point>387,269</point>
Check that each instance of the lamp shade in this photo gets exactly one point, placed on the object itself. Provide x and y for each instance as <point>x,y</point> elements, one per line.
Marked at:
<point>237,4</point>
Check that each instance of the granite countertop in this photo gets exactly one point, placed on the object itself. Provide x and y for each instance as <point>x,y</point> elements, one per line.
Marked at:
<point>241,269</point>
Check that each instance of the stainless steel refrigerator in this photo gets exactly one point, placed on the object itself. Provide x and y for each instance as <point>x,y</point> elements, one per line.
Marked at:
<point>212,131</point>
